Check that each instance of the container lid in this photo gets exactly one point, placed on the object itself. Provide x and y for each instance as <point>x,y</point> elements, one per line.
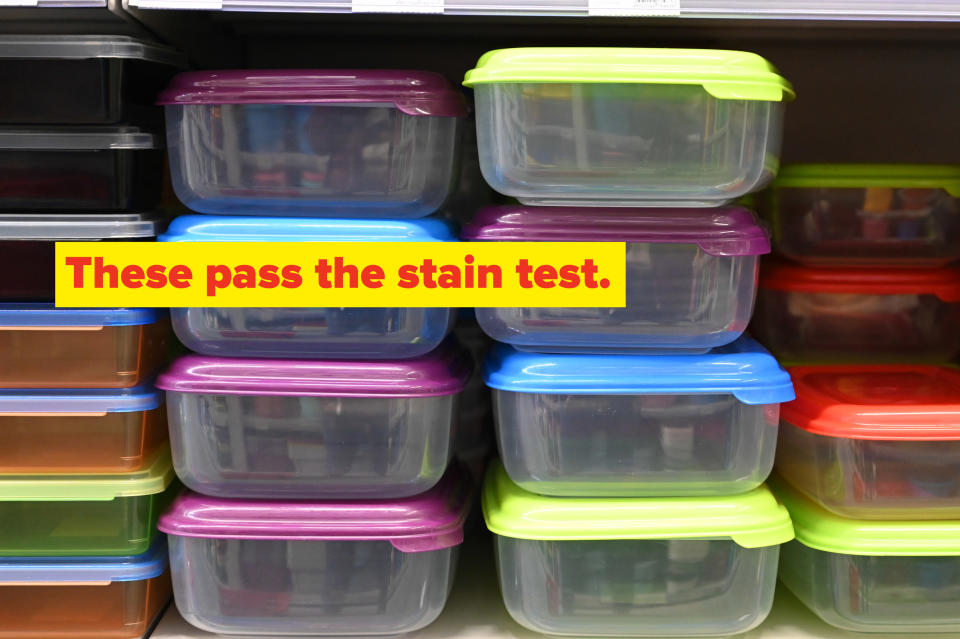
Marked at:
<point>942,282</point>
<point>430,521</point>
<point>83,47</point>
<point>86,569</point>
<point>28,314</point>
<point>153,479</point>
<point>58,400</point>
<point>443,371</point>
<point>726,75</point>
<point>413,92</point>
<point>917,176</point>
<point>753,519</point>
<point>722,232</point>
<point>243,228</point>
<point>73,138</point>
<point>744,369</point>
<point>78,226</point>
<point>821,529</point>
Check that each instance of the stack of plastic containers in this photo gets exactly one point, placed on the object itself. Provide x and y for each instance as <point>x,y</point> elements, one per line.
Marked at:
<point>316,441</point>
<point>634,441</point>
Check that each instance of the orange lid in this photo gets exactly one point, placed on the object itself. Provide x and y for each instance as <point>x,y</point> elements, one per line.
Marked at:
<point>942,282</point>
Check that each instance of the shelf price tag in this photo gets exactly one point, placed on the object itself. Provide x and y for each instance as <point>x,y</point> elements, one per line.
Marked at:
<point>215,5</point>
<point>398,6</point>
<point>633,7</point>
<point>19,3</point>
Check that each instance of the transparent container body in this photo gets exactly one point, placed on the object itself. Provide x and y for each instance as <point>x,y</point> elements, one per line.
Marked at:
<point>111,610</point>
<point>636,588</point>
<point>310,447</point>
<point>312,588</point>
<point>344,160</point>
<point>800,326</point>
<point>635,445</point>
<point>678,298</point>
<point>313,333</point>
<point>624,144</point>
<point>865,593</point>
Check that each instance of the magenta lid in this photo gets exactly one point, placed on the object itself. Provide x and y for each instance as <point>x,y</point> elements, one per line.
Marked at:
<point>723,232</point>
<point>430,521</point>
<point>413,92</point>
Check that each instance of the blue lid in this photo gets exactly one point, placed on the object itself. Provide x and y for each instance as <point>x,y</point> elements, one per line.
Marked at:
<point>46,314</point>
<point>244,228</point>
<point>86,569</point>
<point>58,400</point>
<point>743,368</point>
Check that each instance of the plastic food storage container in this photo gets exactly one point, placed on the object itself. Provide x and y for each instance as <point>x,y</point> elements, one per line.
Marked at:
<point>873,576</point>
<point>655,425</point>
<point>83,597</point>
<point>824,315</point>
<point>627,127</point>
<point>79,169</point>
<point>46,347</point>
<point>277,568</point>
<point>351,143</point>
<point>310,333</point>
<point>313,429</point>
<point>866,214</point>
<point>71,515</point>
<point>71,79</point>
<point>691,278</point>
<point>27,244</point>
<point>640,567</point>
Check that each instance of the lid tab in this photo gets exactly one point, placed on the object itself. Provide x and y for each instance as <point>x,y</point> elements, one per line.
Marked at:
<point>29,314</point>
<point>86,569</point>
<point>77,226</point>
<point>115,400</point>
<point>943,282</point>
<point>226,228</point>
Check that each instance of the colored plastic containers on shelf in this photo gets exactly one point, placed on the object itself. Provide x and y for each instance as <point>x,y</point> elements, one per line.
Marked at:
<point>341,143</point>
<point>622,126</point>
<point>691,278</point>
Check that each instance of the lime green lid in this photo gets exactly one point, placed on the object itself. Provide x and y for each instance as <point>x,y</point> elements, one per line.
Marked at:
<point>726,75</point>
<point>752,520</point>
<point>821,529</point>
<point>917,176</point>
<point>77,487</point>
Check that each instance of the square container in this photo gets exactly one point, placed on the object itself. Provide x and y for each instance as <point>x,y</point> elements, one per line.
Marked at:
<point>83,597</point>
<point>865,214</point>
<point>655,425</point>
<point>627,127</point>
<point>338,143</point>
<point>317,568</point>
<point>310,333</point>
<point>82,79</point>
<point>313,429</point>
<point>46,347</point>
<point>843,315</point>
<point>884,576</point>
<point>642,567</point>
<point>67,515</point>
<point>59,168</point>
<point>691,278</point>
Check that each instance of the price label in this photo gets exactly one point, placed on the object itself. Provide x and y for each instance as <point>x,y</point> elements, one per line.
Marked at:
<point>633,7</point>
<point>398,6</point>
<point>215,5</point>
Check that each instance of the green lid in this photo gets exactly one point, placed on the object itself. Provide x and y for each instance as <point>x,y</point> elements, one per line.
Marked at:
<point>859,176</point>
<point>752,520</point>
<point>821,529</point>
<point>77,487</point>
<point>726,75</point>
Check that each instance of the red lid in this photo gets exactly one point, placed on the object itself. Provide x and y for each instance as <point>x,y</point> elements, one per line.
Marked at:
<point>942,282</point>
<point>881,401</point>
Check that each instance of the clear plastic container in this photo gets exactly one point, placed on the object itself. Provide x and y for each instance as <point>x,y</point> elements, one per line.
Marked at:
<point>627,127</point>
<point>691,278</point>
<point>658,425</point>
<point>319,143</point>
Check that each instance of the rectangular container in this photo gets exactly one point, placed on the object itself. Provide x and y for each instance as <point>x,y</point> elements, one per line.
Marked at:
<point>654,567</point>
<point>313,429</point>
<point>82,79</point>
<point>846,315</point>
<point>627,127</point>
<point>309,333</point>
<point>83,597</point>
<point>655,425</point>
<point>691,278</point>
<point>79,169</point>
<point>46,347</point>
<point>318,568</point>
<point>873,576</point>
<point>866,214</point>
<point>333,143</point>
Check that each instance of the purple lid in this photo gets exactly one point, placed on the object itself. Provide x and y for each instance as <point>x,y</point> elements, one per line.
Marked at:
<point>444,371</point>
<point>723,232</point>
<point>413,92</point>
<point>430,521</point>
